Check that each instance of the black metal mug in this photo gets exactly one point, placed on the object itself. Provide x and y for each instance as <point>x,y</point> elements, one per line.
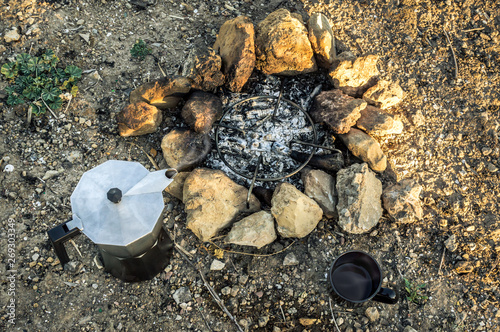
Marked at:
<point>356,277</point>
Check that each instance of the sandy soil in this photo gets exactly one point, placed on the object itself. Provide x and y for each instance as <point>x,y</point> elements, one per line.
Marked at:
<point>450,146</point>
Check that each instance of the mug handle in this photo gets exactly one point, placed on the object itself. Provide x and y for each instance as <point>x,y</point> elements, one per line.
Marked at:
<point>386,295</point>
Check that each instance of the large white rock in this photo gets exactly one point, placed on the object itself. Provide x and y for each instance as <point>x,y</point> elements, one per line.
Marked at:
<point>213,201</point>
<point>296,214</point>
<point>360,206</point>
<point>256,230</point>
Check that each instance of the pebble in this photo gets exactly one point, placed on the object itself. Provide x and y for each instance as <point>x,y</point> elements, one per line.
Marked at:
<point>451,243</point>
<point>50,174</point>
<point>226,290</point>
<point>217,265</point>
<point>263,320</point>
<point>94,286</point>
<point>492,168</point>
<point>372,314</point>
<point>12,36</point>
<point>290,260</point>
<point>35,257</point>
<point>8,168</point>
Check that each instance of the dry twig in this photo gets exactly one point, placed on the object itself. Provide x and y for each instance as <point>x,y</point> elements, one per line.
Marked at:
<point>250,254</point>
<point>155,165</point>
<point>76,247</point>
<point>333,317</point>
<point>452,53</point>
<point>475,29</point>
<point>442,260</point>
<point>211,290</point>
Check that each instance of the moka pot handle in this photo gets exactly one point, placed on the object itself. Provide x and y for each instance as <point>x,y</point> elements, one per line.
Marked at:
<point>60,234</point>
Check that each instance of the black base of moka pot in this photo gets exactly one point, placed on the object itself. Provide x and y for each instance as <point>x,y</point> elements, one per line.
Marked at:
<point>142,267</point>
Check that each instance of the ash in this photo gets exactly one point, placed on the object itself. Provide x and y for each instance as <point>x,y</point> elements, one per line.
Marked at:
<point>256,128</point>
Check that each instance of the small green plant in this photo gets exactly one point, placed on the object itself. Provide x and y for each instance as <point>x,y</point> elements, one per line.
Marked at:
<point>140,50</point>
<point>414,292</point>
<point>39,82</point>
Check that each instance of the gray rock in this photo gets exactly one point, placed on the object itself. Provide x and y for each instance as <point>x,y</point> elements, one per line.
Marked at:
<point>374,121</point>
<point>50,174</point>
<point>182,295</point>
<point>290,260</point>
<point>372,314</point>
<point>12,35</point>
<point>217,265</point>
<point>365,148</point>
<point>201,111</point>
<point>384,94</point>
<point>337,110</point>
<point>213,201</point>
<point>359,207</point>
<point>183,148</point>
<point>256,230</point>
<point>296,214</point>
<point>451,243</point>
<point>409,329</point>
<point>320,186</point>
<point>322,39</point>
<point>402,201</point>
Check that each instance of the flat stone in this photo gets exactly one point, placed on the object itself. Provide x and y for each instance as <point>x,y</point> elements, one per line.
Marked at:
<point>256,230</point>
<point>203,69</point>
<point>384,94</point>
<point>402,201</point>
<point>12,35</point>
<point>372,314</point>
<point>359,205</point>
<point>138,119</point>
<point>183,148</point>
<point>296,214</point>
<point>365,148</point>
<point>50,174</point>
<point>282,45</point>
<point>451,243</point>
<point>337,110</point>
<point>175,188</point>
<point>217,265</point>
<point>354,77</point>
<point>201,111</point>
<point>320,186</point>
<point>182,295</point>
<point>290,260</point>
<point>236,46</point>
<point>163,93</point>
<point>374,121</point>
<point>213,201</point>
<point>463,267</point>
<point>322,39</point>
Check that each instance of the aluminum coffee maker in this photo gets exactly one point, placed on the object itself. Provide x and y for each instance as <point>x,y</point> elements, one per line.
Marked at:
<point>119,206</point>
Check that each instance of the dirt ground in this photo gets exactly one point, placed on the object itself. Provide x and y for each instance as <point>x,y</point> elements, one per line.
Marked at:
<point>450,146</point>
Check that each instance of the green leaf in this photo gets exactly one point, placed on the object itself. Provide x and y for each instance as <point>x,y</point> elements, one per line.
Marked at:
<point>49,53</point>
<point>14,100</point>
<point>31,92</point>
<point>56,104</point>
<point>9,70</point>
<point>23,58</point>
<point>50,94</point>
<point>73,71</point>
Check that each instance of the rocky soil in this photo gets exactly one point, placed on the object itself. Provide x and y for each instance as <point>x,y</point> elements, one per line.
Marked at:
<point>449,145</point>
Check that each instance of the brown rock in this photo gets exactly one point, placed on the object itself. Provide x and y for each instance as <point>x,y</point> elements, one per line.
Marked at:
<point>138,119</point>
<point>201,111</point>
<point>296,214</point>
<point>256,230</point>
<point>384,94</point>
<point>183,148</point>
<point>354,77</point>
<point>402,201</point>
<point>282,45</point>
<point>463,267</point>
<point>322,39</point>
<point>374,121</point>
<point>337,109</point>
<point>203,69</point>
<point>365,148</point>
<point>163,93</point>
<point>236,46</point>
<point>212,201</point>
<point>12,35</point>
<point>175,187</point>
